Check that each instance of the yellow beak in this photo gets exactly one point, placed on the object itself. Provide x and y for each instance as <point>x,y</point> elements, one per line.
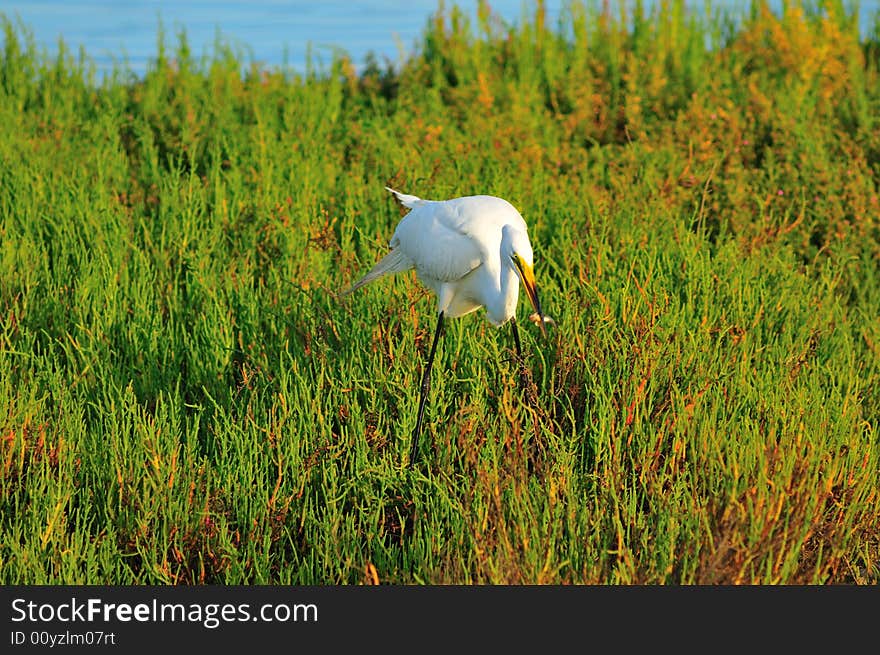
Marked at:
<point>527,275</point>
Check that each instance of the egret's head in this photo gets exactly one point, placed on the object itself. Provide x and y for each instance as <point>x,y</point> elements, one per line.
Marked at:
<point>518,250</point>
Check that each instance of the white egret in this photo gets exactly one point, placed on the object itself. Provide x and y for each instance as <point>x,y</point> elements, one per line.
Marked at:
<point>472,252</point>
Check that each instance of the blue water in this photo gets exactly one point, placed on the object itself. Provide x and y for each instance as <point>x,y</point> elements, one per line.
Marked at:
<point>272,32</point>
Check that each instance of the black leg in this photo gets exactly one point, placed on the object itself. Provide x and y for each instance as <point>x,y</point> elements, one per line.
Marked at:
<point>426,388</point>
<point>520,364</point>
<point>516,338</point>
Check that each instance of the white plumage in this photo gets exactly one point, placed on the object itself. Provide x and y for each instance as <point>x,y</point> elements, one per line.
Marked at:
<point>472,252</point>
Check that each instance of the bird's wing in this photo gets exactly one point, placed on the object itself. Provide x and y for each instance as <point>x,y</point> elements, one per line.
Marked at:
<point>394,262</point>
<point>406,200</point>
<point>436,238</point>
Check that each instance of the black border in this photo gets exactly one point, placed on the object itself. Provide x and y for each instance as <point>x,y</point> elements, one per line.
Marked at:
<point>407,618</point>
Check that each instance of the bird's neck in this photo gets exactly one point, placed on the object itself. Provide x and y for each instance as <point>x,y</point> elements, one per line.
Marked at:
<point>503,306</point>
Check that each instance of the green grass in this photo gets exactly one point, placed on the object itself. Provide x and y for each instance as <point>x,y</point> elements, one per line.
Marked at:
<point>186,400</point>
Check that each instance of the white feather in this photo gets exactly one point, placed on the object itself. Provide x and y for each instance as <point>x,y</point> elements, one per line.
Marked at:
<point>461,249</point>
